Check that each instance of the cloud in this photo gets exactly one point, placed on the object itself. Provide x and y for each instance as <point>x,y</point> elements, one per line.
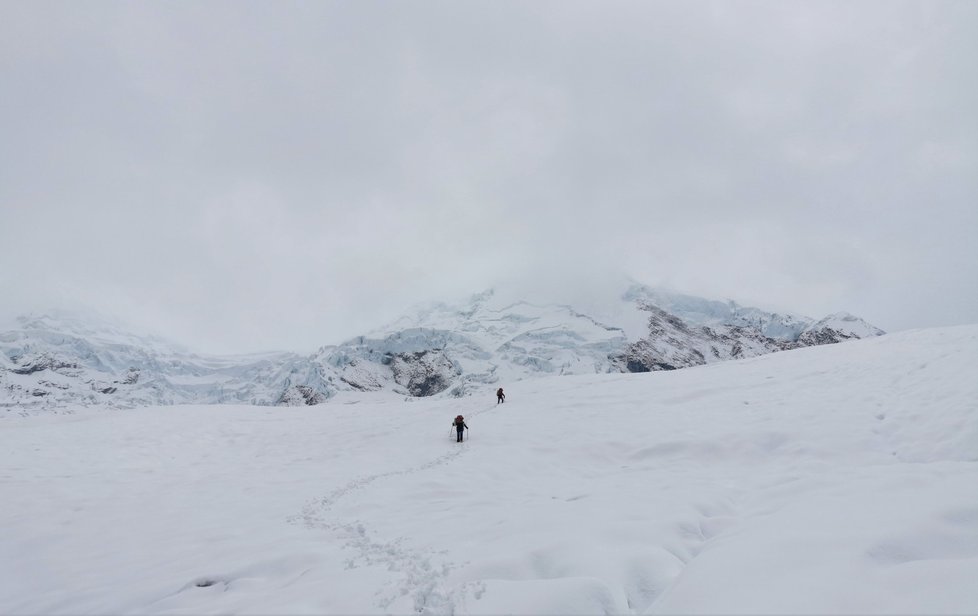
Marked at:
<point>209,169</point>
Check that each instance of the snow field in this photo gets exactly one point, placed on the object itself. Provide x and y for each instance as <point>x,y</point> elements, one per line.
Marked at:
<point>838,479</point>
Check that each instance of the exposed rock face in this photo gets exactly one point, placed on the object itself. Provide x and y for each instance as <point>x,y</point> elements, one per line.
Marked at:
<point>673,343</point>
<point>414,362</point>
<point>300,395</point>
<point>29,364</point>
<point>423,373</point>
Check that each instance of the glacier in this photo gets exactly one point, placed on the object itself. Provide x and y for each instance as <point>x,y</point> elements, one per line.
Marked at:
<point>59,361</point>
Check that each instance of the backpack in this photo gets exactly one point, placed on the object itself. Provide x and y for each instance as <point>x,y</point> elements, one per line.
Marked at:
<point>459,420</point>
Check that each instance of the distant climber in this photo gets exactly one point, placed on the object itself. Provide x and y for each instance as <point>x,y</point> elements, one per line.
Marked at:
<point>500,396</point>
<point>459,424</point>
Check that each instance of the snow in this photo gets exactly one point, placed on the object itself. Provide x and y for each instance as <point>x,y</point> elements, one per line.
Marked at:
<point>848,325</point>
<point>836,479</point>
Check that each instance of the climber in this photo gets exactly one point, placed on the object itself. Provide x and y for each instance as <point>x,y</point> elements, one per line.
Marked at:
<point>459,424</point>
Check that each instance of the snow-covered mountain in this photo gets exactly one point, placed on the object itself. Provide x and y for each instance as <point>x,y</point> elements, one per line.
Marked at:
<point>63,360</point>
<point>490,340</point>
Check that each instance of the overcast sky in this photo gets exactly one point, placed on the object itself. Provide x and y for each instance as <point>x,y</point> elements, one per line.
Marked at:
<point>242,176</point>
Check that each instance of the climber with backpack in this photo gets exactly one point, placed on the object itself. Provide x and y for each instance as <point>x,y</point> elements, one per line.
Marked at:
<point>459,424</point>
<point>500,396</point>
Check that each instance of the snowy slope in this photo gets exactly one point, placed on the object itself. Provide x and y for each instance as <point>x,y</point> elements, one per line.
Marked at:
<point>837,479</point>
<point>837,328</point>
<point>64,361</point>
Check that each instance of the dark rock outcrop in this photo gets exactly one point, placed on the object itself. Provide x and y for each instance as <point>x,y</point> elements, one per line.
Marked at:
<point>423,373</point>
